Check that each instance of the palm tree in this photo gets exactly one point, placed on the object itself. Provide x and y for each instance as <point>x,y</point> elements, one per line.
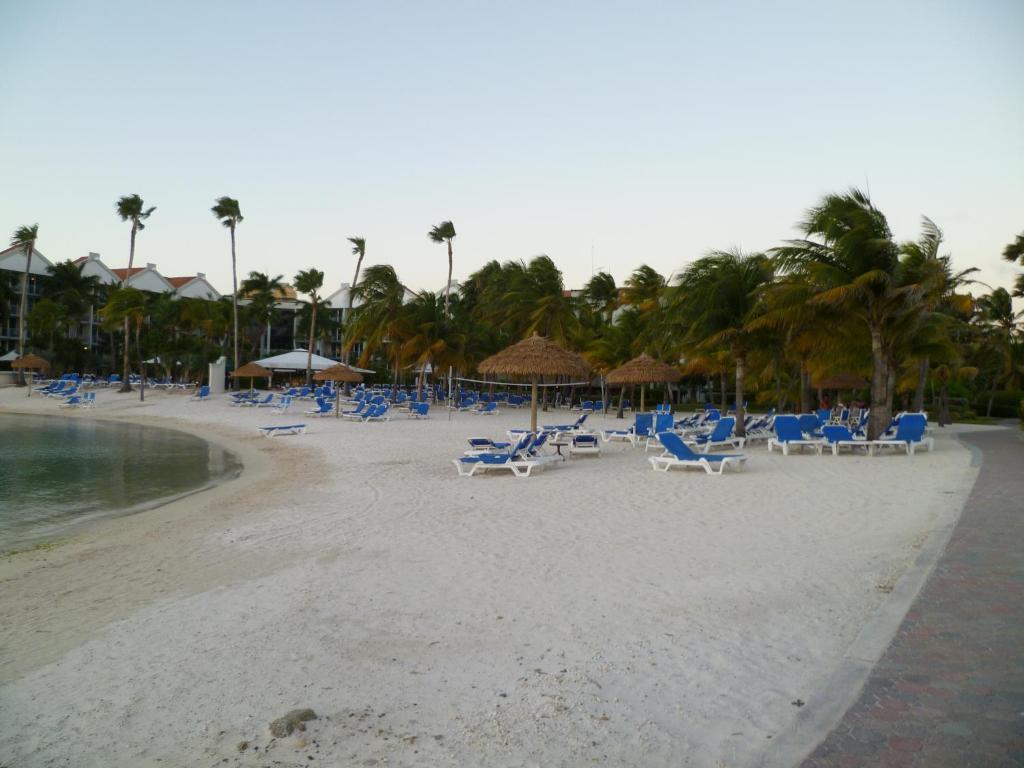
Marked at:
<point>602,295</point>
<point>922,265</point>
<point>226,209</point>
<point>25,238</point>
<point>1001,340</point>
<point>445,233</point>
<point>126,306</point>
<point>1015,252</point>
<point>359,251</point>
<point>310,281</point>
<point>849,258</point>
<point>262,292</point>
<point>131,208</point>
<point>716,299</point>
<point>377,320</point>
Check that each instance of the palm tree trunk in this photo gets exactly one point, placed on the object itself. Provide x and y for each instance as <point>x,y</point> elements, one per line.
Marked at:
<point>723,391</point>
<point>805,384</point>
<point>309,352</point>
<point>880,416</point>
<point>234,299</point>
<point>23,311</point>
<point>622,394</point>
<point>741,372</point>
<point>922,379</point>
<point>142,363</point>
<point>351,299</point>
<point>126,385</point>
<point>448,285</point>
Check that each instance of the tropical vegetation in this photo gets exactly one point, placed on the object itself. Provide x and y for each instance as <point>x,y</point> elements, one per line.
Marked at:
<point>765,328</point>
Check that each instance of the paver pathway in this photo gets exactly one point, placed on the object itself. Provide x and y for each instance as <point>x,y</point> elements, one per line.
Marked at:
<point>949,691</point>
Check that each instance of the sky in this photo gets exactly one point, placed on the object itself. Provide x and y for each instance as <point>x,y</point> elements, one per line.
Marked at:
<point>605,135</point>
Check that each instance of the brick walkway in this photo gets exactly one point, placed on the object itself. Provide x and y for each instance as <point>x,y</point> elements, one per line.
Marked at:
<point>949,690</point>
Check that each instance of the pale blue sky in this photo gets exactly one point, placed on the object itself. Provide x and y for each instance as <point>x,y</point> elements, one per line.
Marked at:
<point>648,132</point>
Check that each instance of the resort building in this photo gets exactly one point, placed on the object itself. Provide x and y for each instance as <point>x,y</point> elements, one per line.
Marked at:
<point>12,268</point>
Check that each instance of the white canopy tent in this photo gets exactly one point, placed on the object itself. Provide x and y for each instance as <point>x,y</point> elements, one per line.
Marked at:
<point>296,361</point>
<point>10,357</point>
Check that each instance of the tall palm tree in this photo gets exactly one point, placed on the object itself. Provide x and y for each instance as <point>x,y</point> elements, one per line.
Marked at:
<point>849,257</point>
<point>359,251</point>
<point>226,209</point>
<point>445,233</point>
<point>716,299</point>
<point>131,208</point>
<point>310,281</point>
<point>262,292</point>
<point>25,238</point>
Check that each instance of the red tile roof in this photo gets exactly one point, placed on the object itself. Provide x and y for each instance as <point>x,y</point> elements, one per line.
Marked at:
<point>123,272</point>
<point>177,282</point>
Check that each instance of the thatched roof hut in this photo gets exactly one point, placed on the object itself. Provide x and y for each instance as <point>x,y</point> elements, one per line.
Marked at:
<point>339,372</point>
<point>532,358</point>
<point>30,362</point>
<point>252,371</point>
<point>644,369</point>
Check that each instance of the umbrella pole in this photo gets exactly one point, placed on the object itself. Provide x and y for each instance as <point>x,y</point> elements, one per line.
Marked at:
<point>337,402</point>
<point>533,407</point>
<point>643,387</point>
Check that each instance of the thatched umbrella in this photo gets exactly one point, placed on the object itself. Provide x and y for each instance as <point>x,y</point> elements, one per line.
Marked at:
<point>342,373</point>
<point>30,362</point>
<point>532,358</point>
<point>641,370</point>
<point>252,371</point>
<point>339,372</point>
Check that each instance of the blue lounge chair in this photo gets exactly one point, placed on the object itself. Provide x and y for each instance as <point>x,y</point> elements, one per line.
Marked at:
<point>788,434</point>
<point>663,422</point>
<point>380,412</point>
<point>286,429</point>
<point>358,410</point>
<point>323,408</point>
<point>282,405</point>
<point>488,409</point>
<point>202,394</point>
<point>679,454</point>
<point>838,437</point>
<point>641,430</point>
<point>584,444</point>
<point>721,435</point>
<point>419,410</point>
<point>513,459</point>
<point>72,402</point>
<point>576,426</point>
<point>910,434</point>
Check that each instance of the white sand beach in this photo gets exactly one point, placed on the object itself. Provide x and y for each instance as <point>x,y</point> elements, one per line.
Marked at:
<point>597,613</point>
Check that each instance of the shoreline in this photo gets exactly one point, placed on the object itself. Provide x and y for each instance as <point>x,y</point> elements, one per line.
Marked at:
<point>190,514</point>
<point>76,526</point>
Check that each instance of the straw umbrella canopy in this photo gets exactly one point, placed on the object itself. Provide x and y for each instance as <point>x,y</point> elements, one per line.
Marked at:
<point>30,362</point>
<point>532,358</point>
<point>252,371</point>
<point>339,372</point>
<point>644,369</point>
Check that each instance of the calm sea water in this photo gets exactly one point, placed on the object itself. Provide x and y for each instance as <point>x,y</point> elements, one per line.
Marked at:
<point>56,473</point>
